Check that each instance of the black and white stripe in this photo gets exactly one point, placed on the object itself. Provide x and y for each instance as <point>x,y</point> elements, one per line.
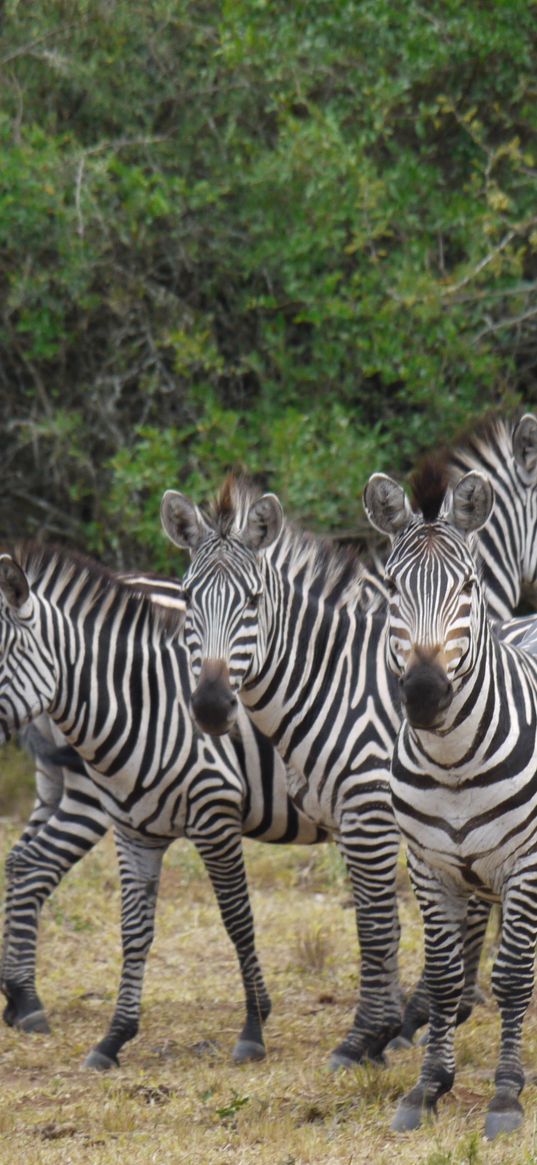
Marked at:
<point>109,668</point>
<point>463,775</point>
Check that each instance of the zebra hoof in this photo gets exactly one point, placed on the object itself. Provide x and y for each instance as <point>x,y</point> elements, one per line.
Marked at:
<point>407,1118</point>
<point>502,1122</point>
<point>398,1043</point>
<point>36,1022</point>
<point>342,1060</point>
<point>99,1061</point>
<point>248,1050</point>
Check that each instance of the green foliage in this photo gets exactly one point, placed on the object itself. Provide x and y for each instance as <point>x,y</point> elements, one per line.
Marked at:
<point>300,239</point>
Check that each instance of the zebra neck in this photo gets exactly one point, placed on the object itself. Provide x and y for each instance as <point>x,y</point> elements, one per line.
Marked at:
<point>502,541</point>
<point>321,664</point>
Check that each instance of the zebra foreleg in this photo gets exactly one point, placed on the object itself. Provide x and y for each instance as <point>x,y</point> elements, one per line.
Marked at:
<point>444,918</point>
<point>512,984</point>
<point>378,1015</point>
<point>34,869</point>
<point>224,863</point>
<point>140,866</point>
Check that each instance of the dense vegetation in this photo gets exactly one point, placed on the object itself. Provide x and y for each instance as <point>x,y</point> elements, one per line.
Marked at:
<point>297,237</point>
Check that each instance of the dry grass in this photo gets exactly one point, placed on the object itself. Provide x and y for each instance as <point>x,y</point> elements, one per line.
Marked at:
<point>170,1104</point>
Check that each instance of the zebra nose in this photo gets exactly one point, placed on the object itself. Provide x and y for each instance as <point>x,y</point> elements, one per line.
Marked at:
<point>214,706</point>
<point>426,693</point>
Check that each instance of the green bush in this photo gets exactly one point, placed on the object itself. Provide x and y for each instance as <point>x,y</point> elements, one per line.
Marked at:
<point>298,239</point>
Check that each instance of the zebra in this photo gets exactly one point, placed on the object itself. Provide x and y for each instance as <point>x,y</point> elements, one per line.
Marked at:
<point>463,772</point>
<point>60,776</point>
<point>108,667</point>
<point>275,619</point>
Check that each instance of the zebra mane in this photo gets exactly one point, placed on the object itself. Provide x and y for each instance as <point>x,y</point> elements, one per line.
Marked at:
<point>323,564</point>
<point>41,559</point>
<point>429,484</point>
<point>485,445</point>
<point>226,513</point>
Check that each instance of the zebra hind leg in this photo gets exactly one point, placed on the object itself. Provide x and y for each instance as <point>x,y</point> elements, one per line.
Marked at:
<point>378,1016</point>
<point>139,870</point>
<point>416,1011</point>
<point>224,863</point>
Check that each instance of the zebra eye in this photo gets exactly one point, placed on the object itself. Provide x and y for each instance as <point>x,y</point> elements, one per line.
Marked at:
<point>253,600</point>
<point>391,588</point>
<point>187,596</point>
<point>468,586</point>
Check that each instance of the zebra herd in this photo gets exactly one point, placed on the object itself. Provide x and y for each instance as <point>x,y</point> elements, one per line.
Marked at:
<point>133,684</point>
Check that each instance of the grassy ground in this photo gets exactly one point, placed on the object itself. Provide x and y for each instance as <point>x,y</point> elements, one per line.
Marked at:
<point>173,1102</point>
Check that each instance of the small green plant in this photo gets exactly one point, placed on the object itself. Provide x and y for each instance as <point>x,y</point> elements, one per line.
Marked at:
<point>229,1111</point>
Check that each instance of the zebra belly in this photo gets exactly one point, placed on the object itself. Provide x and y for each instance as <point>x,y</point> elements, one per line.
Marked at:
<point>167,808</point>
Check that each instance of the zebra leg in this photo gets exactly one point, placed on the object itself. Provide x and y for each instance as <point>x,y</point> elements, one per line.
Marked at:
<point>35,869</point>
<point>444,917</point>
<point>49,789</point>
<point>416,1012</point>
<point>140,866</point>
<point>373,876</point>
<point>512,984</point>
<point>224,862</point>
<point>477,916</point>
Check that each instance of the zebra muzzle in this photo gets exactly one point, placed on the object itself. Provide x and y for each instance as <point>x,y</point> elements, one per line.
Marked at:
<point>426,693</point>
<point>213,704</point>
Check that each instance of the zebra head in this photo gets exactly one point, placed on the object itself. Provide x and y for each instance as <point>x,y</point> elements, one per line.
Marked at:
<point>435,603</point>
<point>27,667</point>
<point>223,588</point>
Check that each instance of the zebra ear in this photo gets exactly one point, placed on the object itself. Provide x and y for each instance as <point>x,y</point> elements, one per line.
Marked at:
<point>263,522</point>
<point>13,583</point>
<point>387,505</point>
<point>182,521</point>
<point>525,447</point>
<point>472,502</point>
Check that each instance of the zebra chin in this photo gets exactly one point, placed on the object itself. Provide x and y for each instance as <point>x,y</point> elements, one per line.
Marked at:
<point>213,704</point>
<point>426,694</point>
